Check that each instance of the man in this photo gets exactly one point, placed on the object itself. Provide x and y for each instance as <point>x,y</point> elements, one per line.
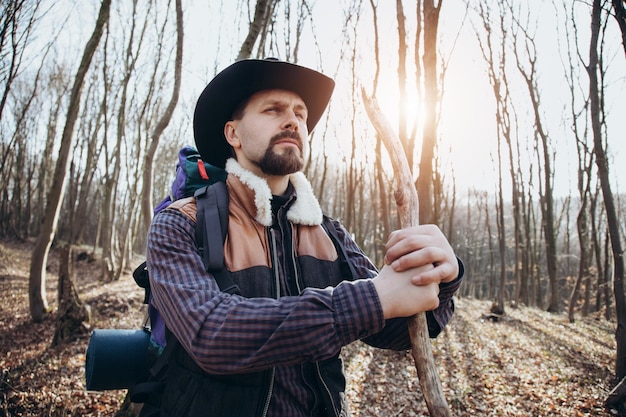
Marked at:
<point>273,349</point>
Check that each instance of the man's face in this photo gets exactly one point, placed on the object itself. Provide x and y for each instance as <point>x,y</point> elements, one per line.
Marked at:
<point>270,136</point>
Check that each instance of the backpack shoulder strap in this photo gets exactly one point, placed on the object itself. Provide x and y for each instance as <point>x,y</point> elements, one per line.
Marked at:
<point>211,230</point>
<point>331,231</point>
<point>142,278</point>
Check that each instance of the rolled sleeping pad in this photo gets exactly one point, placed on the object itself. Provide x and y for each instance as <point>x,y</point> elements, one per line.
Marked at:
<point>116,359</point>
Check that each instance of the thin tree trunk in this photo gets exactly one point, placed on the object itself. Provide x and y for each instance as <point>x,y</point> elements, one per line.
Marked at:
<point>146,197</point>
<point>585,220</point>
<point>74,316</point>
<point>18,20</point>
<point>609,203</point>
<point>261,16</point>
<point>36,286</point>
<point>583,264</point>
<point>380,172</point>
<point>617,398</point>
<point>619,8</point>
<point>402,87</point>
<point>497,307</point>
<point>431,94</point>
<point>547,200</point>
<point>492,253</point>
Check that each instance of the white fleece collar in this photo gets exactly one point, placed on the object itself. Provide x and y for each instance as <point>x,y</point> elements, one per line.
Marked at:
<point>305,210</point>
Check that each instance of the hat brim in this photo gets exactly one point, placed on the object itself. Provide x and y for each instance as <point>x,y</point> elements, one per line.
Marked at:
<point>241,80</point>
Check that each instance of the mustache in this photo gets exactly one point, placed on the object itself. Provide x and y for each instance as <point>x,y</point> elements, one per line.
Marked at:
<point>289,134</point>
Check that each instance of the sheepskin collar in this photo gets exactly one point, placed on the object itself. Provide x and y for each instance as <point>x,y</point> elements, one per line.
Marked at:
<point>305,210</point>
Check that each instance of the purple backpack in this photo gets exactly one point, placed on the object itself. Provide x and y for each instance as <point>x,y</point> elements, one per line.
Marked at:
<point>192,176</point>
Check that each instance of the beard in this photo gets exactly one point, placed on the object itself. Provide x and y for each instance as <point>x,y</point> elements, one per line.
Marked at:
<point>285,163</point>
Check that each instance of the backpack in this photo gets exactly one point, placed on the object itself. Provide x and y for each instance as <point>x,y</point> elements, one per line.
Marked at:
<point>211,228</point>
<point>138,359</point>
<point>194,177</point>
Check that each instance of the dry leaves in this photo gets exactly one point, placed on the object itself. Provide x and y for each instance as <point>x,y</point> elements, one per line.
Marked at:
<point>531,363</point>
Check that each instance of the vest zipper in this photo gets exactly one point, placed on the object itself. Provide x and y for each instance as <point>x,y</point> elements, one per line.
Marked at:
<point>296,275</point>
<point>269,393</point>
<point>272,241</point>
<point>323,383</point>
<point>299,287</point>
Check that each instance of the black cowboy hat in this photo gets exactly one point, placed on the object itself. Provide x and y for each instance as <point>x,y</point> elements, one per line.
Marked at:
<point>241,80</point>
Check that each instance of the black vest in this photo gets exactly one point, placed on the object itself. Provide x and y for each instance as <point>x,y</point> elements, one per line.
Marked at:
<point>192,392</point>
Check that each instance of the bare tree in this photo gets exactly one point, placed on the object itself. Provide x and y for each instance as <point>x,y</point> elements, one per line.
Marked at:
<point>74,316</point>
<point>16,173</point>
<point>58,85</point>
<point>83,194</point>
<point>407,143</point>
<point>497,307</point>
<point>17,21</point>
<point>495,57</point>
<point>37,279</point>
<point>601,253</point>
<point>528,70</point>
<point>381,185</point>
<point>431,97</point>
<point>352,178</point>
<point>585,165</point>
<point>146,201</point>
<point>609,202</point>
<point>262,13</point>
<point>619,8</point>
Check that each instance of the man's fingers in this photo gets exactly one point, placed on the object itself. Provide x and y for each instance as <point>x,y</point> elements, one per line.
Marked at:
<point>423,256</point>
<point>443,272</point>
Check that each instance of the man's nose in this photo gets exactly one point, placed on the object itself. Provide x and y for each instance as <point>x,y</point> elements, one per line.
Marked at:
<point>291,121</point>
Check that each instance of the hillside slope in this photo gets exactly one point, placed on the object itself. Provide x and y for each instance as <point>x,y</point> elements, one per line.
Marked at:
<point>531,363</point>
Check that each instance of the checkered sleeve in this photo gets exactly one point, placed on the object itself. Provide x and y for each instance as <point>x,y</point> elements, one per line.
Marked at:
<point>395,333</point>
<point>231,334</point>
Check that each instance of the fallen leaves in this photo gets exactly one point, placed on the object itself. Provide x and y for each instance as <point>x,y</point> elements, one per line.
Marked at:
<point>529,363</point>
<point>35,379</point>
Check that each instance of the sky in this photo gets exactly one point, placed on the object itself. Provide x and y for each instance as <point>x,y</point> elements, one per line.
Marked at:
<point>468,139</point>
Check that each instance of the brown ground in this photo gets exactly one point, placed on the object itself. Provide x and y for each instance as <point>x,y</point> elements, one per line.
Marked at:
<point>531,363</point>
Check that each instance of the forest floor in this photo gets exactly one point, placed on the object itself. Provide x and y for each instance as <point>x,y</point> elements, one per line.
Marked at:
<point>530,363</point>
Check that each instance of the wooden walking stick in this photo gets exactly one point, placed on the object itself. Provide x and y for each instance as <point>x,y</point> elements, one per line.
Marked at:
<point>408,209</point>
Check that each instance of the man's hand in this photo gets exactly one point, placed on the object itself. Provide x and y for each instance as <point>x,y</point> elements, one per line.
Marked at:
<point>400,297</point>
<point>417,246</point>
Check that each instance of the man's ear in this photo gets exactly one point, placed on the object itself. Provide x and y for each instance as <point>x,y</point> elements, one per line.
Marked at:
<point>230,133</point>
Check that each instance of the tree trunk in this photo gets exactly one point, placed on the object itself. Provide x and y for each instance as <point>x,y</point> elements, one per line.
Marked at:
<point>575,292</point>
<point>146,197</point>
<point>431,94</point>
<point>383,205</point>
<point>497,307</point>
<point>18,21</point>
<point>609,203</point>
<point>528,71</point>
<point>619,8</point>
<point>37,278</point>
<point>616,400</point>
<point>407,144</point>
<point>492,253</point>
<point>73,316</point>
<point>582,223</point>
<point>262,13</point>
